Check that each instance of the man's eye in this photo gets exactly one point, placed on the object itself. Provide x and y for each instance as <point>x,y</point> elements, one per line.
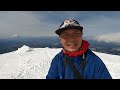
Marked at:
<point>76,33</point>
<point>65,34</point>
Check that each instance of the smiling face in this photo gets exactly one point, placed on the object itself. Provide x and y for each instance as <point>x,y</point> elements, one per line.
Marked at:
<point>71,40</point>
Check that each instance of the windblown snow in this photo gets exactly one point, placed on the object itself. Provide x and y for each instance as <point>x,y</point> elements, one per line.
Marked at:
<point>33,63</point>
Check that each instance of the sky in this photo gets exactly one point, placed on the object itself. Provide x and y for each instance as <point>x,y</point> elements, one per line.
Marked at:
<point>44,23</point>
<point>27,63</point>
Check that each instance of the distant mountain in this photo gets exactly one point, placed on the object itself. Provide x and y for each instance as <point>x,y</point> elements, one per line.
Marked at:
<point>12,44</point>
<point>102,45</point>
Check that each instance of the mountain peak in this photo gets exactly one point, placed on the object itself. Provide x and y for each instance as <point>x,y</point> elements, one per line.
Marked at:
<point>15,36</point>
<point>24,48</point>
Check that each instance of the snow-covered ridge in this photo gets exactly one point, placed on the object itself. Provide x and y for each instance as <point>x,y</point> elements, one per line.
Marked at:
<point>24,48</point>
<point>33,63</point>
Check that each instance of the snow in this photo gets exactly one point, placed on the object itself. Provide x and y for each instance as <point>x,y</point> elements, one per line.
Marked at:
<point>23,49</point>
<point>33,63</point>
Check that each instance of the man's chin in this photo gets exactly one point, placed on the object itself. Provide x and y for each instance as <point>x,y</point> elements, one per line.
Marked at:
<point>72,50</point>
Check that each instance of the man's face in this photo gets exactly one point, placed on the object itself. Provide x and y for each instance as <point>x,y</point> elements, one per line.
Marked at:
<point>71,40</point>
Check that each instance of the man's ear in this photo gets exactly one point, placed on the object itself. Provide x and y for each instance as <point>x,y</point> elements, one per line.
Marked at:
<point>82,32</point>
<point>59,37</point>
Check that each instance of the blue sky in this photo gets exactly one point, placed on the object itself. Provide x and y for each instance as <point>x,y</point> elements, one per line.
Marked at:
<point>44,23</point>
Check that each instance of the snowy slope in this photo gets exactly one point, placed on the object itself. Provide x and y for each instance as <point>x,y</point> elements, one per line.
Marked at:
<point>33,63</point>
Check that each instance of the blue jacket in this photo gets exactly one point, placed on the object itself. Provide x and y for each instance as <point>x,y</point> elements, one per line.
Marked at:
<point>94,69</point>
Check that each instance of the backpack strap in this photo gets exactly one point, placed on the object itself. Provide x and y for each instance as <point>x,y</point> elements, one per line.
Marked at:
<point>83,63</point>
<point>67,60</point>
<point>64,65</point>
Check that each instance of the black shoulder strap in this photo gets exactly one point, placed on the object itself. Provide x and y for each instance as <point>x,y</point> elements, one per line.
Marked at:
<point>76,72</point>
<point>64,65</point>
<point>83,62</point>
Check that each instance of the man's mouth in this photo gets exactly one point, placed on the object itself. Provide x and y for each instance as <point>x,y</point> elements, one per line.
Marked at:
<point>71,44</point>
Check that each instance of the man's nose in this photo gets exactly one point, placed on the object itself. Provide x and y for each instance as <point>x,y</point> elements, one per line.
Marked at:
<point>71,37</point>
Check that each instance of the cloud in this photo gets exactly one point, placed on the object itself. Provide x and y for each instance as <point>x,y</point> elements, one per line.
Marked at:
<point>101,24</point>
<point>15,35</point>
<point>33,23</point>
<point>44,23</point>
<point>94,22</point>
<point>23,24</point>
<point>109,38</point>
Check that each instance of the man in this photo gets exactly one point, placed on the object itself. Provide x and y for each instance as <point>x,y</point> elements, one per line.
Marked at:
<point>85,64</point>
